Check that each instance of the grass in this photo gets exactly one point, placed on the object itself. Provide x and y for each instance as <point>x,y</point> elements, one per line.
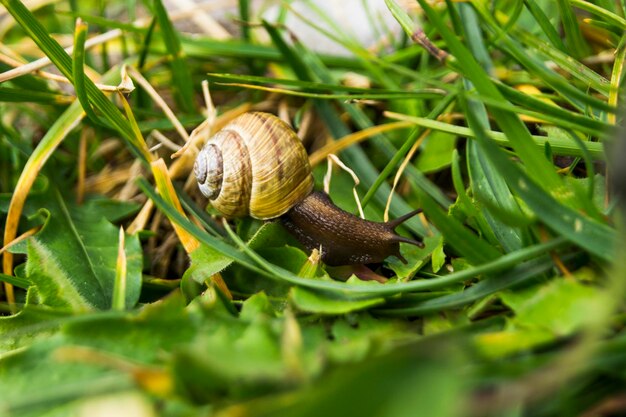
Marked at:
<point>122,291</point>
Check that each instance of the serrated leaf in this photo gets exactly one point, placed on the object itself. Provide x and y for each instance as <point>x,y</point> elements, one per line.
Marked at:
<point>72,260</point>
<point>205,261</point>
<point>27,326</point>
<point>416,258</point>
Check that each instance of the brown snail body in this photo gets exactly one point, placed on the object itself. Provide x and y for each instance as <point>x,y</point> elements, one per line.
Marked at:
<point>257,166</point>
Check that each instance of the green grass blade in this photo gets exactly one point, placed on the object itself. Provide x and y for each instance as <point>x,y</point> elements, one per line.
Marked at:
<point>78,71</point>
<point>118,301</point>
<point>16,281</point>
<point>567,63</point>
<point>510,123</point>
<point>584,123</point>
<point>553,115</point>
<point>181,75</point>
<point>543,21</point>
<point>426,94</point>
<point>320,90</point>
<point>341,288</point>
<point>580,99</point>
<point>574,40</point>
<point>404,149</point>
<point>595,237</point>
<point>244,16</point>
<point>559,146</point>
<point>20,95</point>
<point>518,275</point>
<point>59,57</point>
<point>601,12</point>
<point>457,235</point>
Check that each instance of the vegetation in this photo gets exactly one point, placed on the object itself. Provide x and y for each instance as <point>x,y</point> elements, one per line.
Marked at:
<point>123,294</point>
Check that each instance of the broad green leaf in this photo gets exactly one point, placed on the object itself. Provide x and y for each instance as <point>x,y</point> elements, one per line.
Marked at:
<point>425,379</point>
<point>29,325</point>
<point>34,382</point>
<point>112,210</point>
<point>72,260</point>
<point>257,307</point>
<point>205,261</point>
<point>544,314</point>
<point>436,152</point>
<point>93,354</point>
<point>137,335</point>
<point>561,307</point>
<point>314,302</point>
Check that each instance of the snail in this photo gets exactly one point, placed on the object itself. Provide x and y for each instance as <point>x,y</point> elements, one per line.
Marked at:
<point>257,166</point>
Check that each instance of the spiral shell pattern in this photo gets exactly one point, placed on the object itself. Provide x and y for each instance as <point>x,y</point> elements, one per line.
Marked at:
<point>256,165</point>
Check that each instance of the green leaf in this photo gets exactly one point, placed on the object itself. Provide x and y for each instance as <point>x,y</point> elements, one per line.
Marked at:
<point>320,303</point>
<point>561,307</point>
<point>29,325</point>
<point>112,210</point>
<point>72,260</point>
<point>548,29</point>
<point>510,123</point>
<point>524,272</point>
<point>544,314</point>
<point>456,235</point>
<point>599,11</point>
<point>416,258</point>
<point>560,146</point>
<point>436,153</point>
<point>205,262</point>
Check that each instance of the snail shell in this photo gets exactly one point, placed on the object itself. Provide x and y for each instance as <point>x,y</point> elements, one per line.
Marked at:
<point>256,166</point>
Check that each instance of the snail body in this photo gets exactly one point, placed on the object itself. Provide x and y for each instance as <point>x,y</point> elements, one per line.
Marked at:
<point>256,166</point>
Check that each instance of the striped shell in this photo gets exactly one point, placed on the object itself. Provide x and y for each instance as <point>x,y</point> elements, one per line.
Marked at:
<point>256,166</point>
